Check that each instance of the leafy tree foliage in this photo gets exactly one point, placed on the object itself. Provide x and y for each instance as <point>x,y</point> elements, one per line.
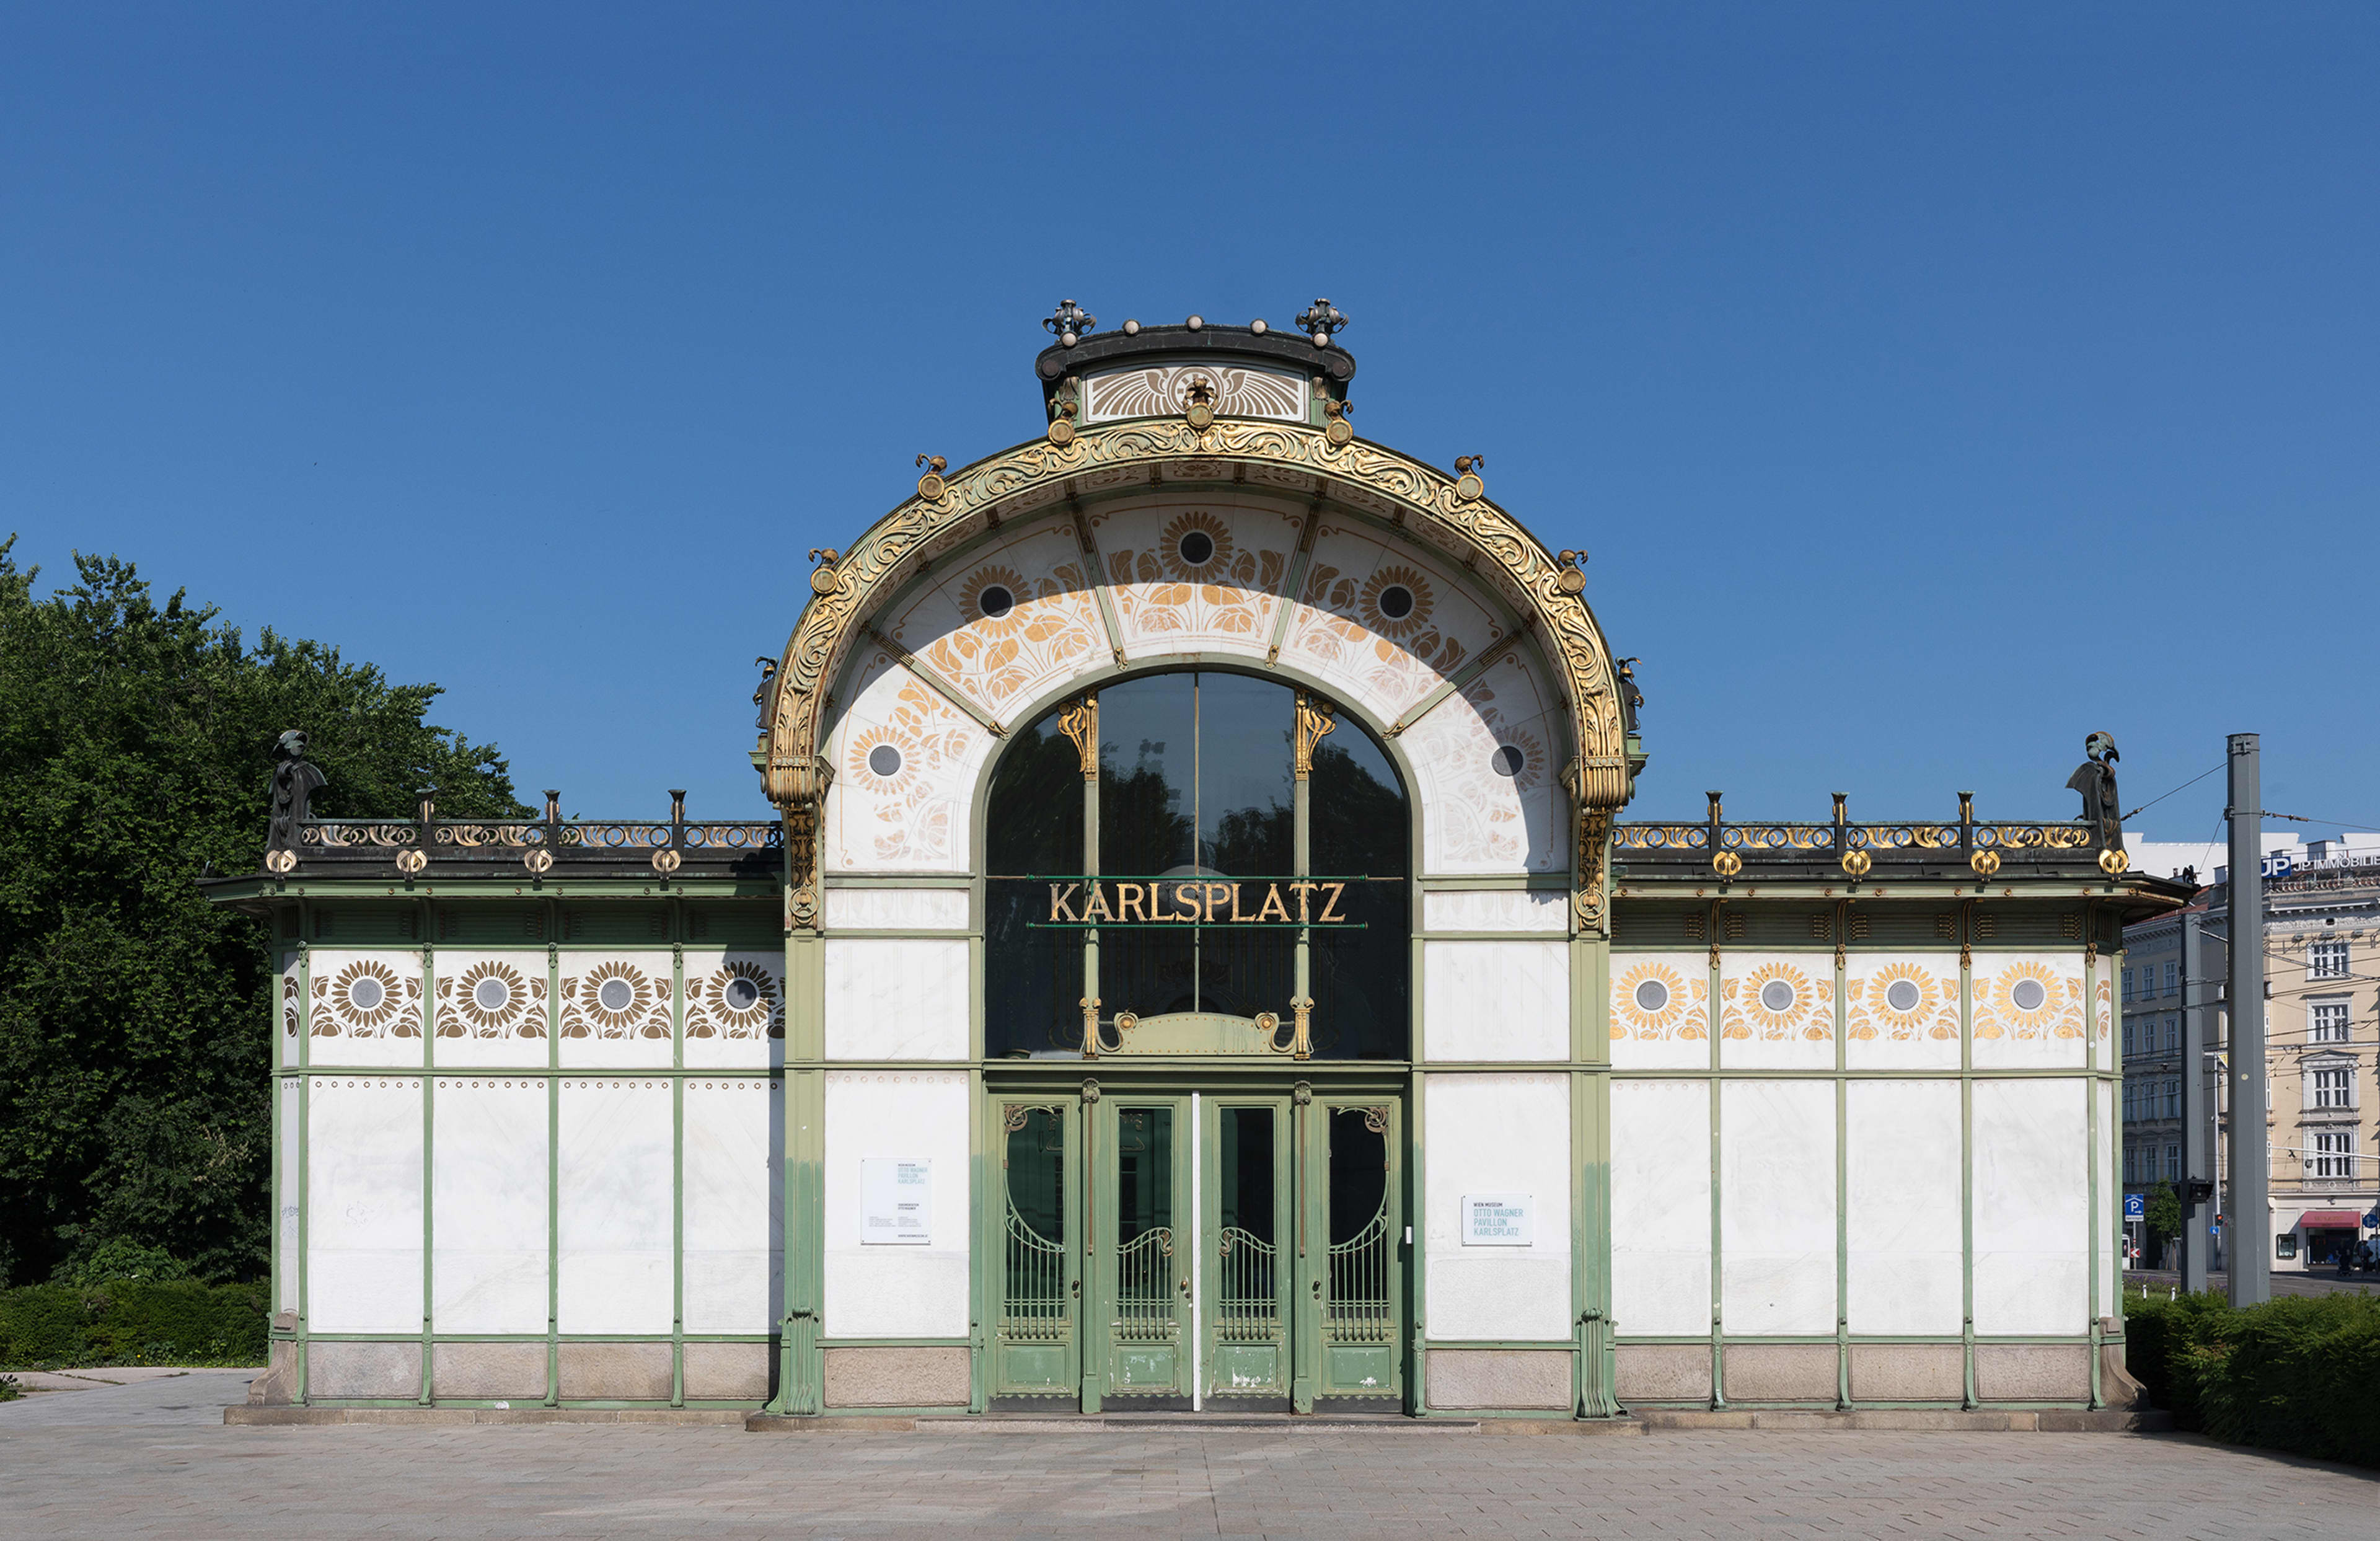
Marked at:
<point>135,1017</point>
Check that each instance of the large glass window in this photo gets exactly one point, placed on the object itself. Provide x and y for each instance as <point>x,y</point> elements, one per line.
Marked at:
<point>1154,846</point>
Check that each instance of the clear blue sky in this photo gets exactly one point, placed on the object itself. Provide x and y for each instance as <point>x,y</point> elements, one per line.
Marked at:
<point>1931,385</point>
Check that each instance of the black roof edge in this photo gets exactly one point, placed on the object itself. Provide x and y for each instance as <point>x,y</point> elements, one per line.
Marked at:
<point>1152,344</point>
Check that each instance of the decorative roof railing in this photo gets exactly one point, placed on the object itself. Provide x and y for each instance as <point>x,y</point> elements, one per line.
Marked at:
<point>484,847</point>
<point>1983,845</point>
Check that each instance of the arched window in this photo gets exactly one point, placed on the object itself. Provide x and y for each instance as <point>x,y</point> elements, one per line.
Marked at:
<point>1226,886</point>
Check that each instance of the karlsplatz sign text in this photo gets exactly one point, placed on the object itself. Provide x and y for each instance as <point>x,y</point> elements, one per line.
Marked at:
<point>1084,902</point>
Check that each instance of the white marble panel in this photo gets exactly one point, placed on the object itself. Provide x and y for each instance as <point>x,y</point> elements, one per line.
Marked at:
<point>1660,1011</point>
<point>367,1007</point>
<point>1165,604</point>
<point>896,1000</point>
<point>1495,1000</point>
<point>896,909</point>
<point>910,808</point>
<point>616,1210</point>
<point>363,1204</point>
<point>286,1145</point>
<point>1776,1206</point>
<point>1902,1013</point>
<point>2029,1011</point>
<point>615,1010</point>
<point>2109,1224</point>
<point>734,1008</point>
<point>488,1184</point>
<point>2033,1229</point>
<point>1777,1010</point>
<point>897,1292</point>
<point>488,1008</point>
<point>733,1130</point>
<point>1660,1207</point>
<point>1340,632</point>
<point>1506,909</point>
<point>1005,653</point>
<point>1903,1223</point>
<point>1502,1134</point>
<point>1484,764</point>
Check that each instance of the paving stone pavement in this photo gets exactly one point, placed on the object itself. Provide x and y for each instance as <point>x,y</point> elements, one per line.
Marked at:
<point>154,1459</point>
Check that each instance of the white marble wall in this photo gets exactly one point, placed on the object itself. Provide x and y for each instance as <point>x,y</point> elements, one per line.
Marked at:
<point>488,1179</point>
<point>2033,1231</point>
<point>895,909</point>
<point>1660,1207</point>
<point>1776,1206</point>
<point>734,1204</point>
<point>1495,1000</point>
<point>363,1221</point>
<point>902,1291</point>
<point>615,1207</point>
<point>1497,1134</point>
<point>1902,1223</point>
<point>889,998</point>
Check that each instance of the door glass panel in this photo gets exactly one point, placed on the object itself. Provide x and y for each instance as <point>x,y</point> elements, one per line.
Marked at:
<point>1145,1266</point>
<point>1036,1307</point>
<point>1246,825</point>
<point>1356,1309</point>
<point>1248,1301</point>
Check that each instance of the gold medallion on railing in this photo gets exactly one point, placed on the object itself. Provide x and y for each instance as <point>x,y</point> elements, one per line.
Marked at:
<point>283,862</point>
<point>1727,863</point>
<point>666,861</point>
<point>1856,863</point>
<point>1985,863</point>
<point>2112,861</point>
<point>411,862</point>
<point>540,861</point>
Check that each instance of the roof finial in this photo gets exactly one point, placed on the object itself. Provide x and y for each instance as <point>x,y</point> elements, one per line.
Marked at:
<point>1069,323</point>
<point>1321,321</point>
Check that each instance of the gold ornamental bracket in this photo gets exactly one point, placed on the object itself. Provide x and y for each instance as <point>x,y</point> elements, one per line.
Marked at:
<point>1451,514</point>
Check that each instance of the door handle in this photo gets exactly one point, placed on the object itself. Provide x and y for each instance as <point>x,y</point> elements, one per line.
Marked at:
<point>1186,1289</point>
<point>1318,1288</point>
<point>1075,1289</point>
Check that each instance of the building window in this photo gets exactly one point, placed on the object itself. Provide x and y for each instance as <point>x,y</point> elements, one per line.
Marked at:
<point>2172,1033</point>
<point>2173,1164</point>
<point>2334,1153</point>
<point>2327,959</point>
<point>2171,972</point>
<point>2334,1086</point>
<point>2128,1037</point>
<point>2132,1164</point>
<point>2329,1020</point>
<point>2285,1247</point>
<point>2173,1096</point>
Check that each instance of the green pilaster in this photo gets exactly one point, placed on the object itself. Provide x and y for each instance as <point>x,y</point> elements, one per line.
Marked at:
<point>677,1155</point>
<point>1842,1172</point>
<point>429,1145</point>
<point>801,1382</point>
<point>553,1154</point>
<point>301,1133</point>
<point>1967,1148</point>
<point>1718,1256</point>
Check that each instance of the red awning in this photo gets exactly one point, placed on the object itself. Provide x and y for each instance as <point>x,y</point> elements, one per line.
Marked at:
<point>2329,1219</point>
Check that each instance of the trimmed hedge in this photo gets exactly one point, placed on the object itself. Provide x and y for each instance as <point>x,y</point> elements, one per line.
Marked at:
<point>2296,1373</point>
<point>132,1322</point>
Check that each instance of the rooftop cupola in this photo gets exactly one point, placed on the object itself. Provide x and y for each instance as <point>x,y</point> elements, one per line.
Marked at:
<point>1257,370</point>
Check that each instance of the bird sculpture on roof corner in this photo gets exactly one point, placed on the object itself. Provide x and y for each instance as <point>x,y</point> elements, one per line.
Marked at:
<point>2096,780</point>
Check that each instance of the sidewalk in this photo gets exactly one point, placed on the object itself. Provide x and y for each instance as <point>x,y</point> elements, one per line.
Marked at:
<point>2325,1283</point>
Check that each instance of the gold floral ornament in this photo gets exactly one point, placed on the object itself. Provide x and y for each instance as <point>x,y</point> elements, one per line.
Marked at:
<point>614,999</point>
<point>1206,561</point>
<point>1902,1002</point>
<point>1397,601</point>
<point>1653,1001</point>
<point>884,758</point>
<point>738,1000</point>
<point>489,1000</point>
<point>992,601</point>
<point>1773,1002</point>
<point>368,1000</point>
<point>2028,999</point>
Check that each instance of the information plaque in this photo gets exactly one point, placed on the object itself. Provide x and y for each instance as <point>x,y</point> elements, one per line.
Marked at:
<point>1499,1219</point>
<point>896,1202</point>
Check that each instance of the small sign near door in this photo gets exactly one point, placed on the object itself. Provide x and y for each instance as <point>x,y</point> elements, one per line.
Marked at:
<point>896,1202</point>
<point>1499,1219</point>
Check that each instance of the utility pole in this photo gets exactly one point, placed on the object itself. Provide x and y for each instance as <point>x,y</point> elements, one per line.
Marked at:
<point>2197,1154</point>
<point>2251,1208</point>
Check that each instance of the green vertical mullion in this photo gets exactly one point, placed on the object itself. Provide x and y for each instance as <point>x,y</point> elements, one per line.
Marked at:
<point>553,1154</point>
<point>801,1388</point>
<point>429,1154</point>
<point>1416,1263</point>
<point>1718,1261</point>
<point>1967,1149</point>
<point>1842,1178</point>
<point>303,1133</point>
<point>980,1133</point>
<point>2092,1240</point>
<point>677,1155</point>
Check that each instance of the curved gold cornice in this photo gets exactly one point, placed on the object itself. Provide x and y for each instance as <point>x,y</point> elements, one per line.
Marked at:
<point>1287,456</point>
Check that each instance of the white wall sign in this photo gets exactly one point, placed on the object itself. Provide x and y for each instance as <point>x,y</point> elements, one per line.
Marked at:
<point>896,1202</point>
<point>1499,1219</point>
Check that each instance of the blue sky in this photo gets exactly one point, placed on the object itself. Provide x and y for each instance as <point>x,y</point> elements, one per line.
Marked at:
<point>1931,385</point>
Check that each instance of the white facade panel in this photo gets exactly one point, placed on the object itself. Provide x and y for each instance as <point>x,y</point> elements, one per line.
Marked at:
<point>1902,1012</point>
<point>734,1008</point>
<point>2029,1011</point>
<point>617,1009</point>
<point>906,1291</point>
<point>1777,1010</point>
<point>1660,1011</point>
<point>734,1129</point>
<point>892,1000</point>
<point>896,909</point>
<point>1660,1207</point>
<point>2033,1229</point>
<point>2107,1225</point>
<point>1504,909</point>
<point>488,1184</point>
<point>363,1200</point>
<point>1776,1206</point>
<point>1495,1000</point>
<point>1498,1134</point>
<point>1903,1226</point>
<point>366,1010</point>
<point>488,1010</point>
<point>287,1143</point>
<point>615,1207</point>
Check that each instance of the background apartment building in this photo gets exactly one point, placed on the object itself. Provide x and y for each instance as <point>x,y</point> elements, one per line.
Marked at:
<point>2322,1027</point>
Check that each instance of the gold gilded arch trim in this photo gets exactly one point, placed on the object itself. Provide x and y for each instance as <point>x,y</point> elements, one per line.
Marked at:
<point>847,591</point>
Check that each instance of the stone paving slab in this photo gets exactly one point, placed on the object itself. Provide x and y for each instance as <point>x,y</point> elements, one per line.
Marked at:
<point>170,1467</point>
<point>91,1379</point>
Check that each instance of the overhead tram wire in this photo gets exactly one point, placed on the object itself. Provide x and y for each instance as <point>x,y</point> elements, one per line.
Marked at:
<point>2155,801</point>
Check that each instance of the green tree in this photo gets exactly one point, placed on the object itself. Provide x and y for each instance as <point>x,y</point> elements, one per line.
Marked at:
<point>135,1017</point>
<point>2162,1217</point>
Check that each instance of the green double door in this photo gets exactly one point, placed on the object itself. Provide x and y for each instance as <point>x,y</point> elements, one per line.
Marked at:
<point>1231,1252</point>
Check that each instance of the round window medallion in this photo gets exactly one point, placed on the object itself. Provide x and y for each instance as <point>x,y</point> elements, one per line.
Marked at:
<point>1902,996</point>
<point>1396,602</point>
<point>742,994</point>
<point>884,759</point>
<point>492,994</point>
<point>1652,996</point>
<point>2028,995</point>
<point>365,994</point>
<point>995,601</point>
<point>1197,548</point>
<point>1508,760</point>
<point>1776,995</point>
<point>615,995</point>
